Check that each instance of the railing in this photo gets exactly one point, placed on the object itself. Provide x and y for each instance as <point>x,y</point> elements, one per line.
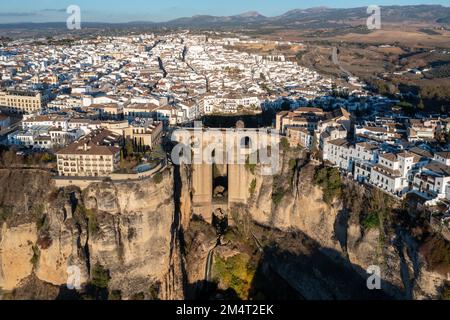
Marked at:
<point>84,181</point>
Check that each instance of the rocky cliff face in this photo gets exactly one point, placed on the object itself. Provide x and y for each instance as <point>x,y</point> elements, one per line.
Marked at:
<point>338,231</point>
<point>142,233</point>
<point>127,228</point>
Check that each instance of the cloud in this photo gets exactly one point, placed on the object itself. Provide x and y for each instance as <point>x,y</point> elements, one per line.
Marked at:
<point>54,10</point>
<point>29,14</point>
<point>17,14</point>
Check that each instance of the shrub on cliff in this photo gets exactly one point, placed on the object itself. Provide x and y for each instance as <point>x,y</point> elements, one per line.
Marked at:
<point>236,273</point>
<point>250,167</point>
<point>158,178</point>
<point>5,212</point>
<point>371,221</point>
<point>277,196</point>
<point>329,180</point>
<point>44,240</point>
<point>446,292</point>
<point>36,255</point>
<point>97,288</point>
<point>100,276</point>
<point>252,187</point>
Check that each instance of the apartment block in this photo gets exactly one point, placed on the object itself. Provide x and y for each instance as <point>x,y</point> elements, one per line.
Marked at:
<point>95,155</point>
<point>22,102</point>
<point>148,133</point>
<point>298,136</point>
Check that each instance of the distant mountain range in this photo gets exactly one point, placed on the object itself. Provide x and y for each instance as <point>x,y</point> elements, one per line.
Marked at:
<point>320,17</point>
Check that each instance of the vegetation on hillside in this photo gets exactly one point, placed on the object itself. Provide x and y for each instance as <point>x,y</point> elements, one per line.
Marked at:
<point>252,188</point>
<point>446,292</point>
<point>158,178</point>
<point>5,213</point>
<point>282,183</point>
<point>36,255</point>
<point>236,272</point>
<point>11,157</point>
<point>100,276</point>
<point>329,180</point>
<point>371,221</point>
<point>97,288</point>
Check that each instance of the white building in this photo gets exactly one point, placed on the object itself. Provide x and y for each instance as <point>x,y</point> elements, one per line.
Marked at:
<point>433,181</point>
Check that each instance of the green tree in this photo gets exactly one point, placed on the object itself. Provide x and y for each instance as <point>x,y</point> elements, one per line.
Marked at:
<point>129,148</point>
<point>122,160</point>
<point>329,180</point>
<point>100,276</point>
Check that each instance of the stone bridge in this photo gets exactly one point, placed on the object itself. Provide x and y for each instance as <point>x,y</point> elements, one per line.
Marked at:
<point>220,160</point>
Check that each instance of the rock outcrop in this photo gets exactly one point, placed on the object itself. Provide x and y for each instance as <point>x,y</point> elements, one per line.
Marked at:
<point>125,227</point>
<point>339,232</point>
<point>16,253</point>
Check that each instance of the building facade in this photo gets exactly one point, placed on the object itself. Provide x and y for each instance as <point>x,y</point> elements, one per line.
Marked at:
<point>22,102</point>
<point>96,155</point>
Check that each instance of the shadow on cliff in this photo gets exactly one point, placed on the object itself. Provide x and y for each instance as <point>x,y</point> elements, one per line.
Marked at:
<point>176,229</point>
<point>407,249</point>
<point>313,277</point>
<point>205,290</point>
<point>340,228</point>
<point>90,292</point>
<point>288,272</point>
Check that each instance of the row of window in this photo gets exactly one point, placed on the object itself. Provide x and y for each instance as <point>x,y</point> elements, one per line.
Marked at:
<point>85,158</point>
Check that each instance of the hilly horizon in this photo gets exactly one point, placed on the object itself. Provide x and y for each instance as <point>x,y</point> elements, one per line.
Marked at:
<point>310,17</point>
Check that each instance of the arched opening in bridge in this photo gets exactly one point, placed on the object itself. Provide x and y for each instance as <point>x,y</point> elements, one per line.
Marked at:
<point>246,143</point>
<point>220,180</point>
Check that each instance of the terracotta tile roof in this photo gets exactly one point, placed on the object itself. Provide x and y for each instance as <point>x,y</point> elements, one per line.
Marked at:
<point>389,156</point>
<point>444,154</point>
<point>386,171</point>
<point>438,168</point>
<point>339,142</point>
<point>367,146</point>
<point>98,143</point>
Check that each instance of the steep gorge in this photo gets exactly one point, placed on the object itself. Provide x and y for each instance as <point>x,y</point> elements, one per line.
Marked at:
<point>144,235</point>
<point>291,203</point>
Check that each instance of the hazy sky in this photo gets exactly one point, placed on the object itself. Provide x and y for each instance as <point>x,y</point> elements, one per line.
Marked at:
<point>163,10</point>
